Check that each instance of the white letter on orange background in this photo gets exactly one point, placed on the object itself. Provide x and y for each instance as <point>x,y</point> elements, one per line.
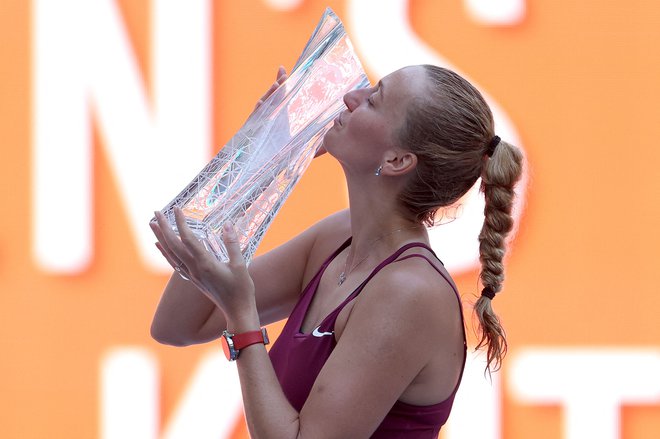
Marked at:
<point>130,398</point>
<point>590,384</point>
<point>84,68</point>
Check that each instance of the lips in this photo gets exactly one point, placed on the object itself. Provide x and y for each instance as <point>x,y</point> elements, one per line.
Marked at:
<point>338,120</point>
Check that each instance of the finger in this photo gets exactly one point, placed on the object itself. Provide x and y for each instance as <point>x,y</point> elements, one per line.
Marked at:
<point>281,75</point>
<point>271,90</point>
<point>266,95</point>
<point>174,263</point>
<point>161,243</point>
<point>169,240</point>
<point>194,247</point>
<point>232,244</point>
<point>178,266</point>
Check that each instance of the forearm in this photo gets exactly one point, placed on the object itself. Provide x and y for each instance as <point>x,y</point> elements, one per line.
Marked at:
<point>267,410</point>
<point>231,288</point>
<point>182,312</point>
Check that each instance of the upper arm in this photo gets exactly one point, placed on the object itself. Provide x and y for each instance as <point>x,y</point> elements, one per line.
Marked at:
<point>392,333</point>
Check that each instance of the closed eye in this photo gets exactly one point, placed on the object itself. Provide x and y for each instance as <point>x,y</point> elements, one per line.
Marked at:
<point>377,88</point>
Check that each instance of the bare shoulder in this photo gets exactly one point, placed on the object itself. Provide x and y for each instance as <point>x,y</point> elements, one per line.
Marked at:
<point>302,248</point>
<point>392,334</point>
<point>416,280</point>
<point>334,227</point>
<point>329,234</point>
<point>415,295</point>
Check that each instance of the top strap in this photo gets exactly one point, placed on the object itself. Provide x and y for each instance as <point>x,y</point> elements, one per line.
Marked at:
<point>329,319</point>
<point>386,262</point>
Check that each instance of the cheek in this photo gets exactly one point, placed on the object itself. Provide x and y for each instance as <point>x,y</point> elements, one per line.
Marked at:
<point>374,132</point>
<point>364,121</point>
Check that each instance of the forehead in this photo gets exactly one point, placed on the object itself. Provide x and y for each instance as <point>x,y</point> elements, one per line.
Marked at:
<point>399,88</point>
<point>408,81</point>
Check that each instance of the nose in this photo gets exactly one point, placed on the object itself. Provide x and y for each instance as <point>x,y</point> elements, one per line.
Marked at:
<point>354,98</point>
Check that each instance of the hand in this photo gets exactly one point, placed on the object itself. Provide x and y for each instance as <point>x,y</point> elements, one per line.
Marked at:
<point>228,285</point>
<point>281,77</point>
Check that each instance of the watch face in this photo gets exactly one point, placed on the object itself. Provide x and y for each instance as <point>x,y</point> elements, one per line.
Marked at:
<point>229,351</point>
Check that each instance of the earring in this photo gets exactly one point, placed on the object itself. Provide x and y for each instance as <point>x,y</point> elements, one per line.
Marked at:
<point>377,173</point>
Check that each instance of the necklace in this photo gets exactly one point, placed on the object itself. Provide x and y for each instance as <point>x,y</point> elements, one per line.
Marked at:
<point>346,272</point>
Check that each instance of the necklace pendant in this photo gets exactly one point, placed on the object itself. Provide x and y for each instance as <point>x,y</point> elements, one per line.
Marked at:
<point>342,278</point>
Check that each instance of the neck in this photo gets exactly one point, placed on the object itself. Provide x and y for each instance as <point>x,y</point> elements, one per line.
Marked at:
<point>378,227</point>
<point>361,251</point>
<point>375,215</point>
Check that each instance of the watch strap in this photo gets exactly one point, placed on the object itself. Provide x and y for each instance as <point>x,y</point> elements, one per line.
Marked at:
<point>246,339</point>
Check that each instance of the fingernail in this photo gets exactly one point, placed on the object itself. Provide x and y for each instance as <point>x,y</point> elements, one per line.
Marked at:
<point>229,228</point>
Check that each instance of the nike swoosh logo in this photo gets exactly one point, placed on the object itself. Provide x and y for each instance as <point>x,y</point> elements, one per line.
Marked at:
<point>317,333</point>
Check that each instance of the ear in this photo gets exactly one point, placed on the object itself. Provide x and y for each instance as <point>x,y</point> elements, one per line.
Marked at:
<point>399,162</point>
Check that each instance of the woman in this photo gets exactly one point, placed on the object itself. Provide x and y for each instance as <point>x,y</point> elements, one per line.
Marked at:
<point>375,343</point>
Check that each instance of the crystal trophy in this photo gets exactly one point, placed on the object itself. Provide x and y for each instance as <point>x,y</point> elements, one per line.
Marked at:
<point>247,182</point>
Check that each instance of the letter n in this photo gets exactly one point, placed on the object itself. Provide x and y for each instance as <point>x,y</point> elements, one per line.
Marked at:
<point>155,141</point>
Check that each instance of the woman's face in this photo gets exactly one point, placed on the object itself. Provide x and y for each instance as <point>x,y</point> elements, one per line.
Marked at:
<point>366,129</point>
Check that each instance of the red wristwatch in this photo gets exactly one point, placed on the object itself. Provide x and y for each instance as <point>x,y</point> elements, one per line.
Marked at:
<point>233,343</point>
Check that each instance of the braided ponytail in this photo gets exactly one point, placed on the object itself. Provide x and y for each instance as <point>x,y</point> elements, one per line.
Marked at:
<point>500,173</point>
<point>451,131</point>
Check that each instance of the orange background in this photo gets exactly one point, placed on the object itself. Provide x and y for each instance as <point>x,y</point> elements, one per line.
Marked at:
<point>580,81</point>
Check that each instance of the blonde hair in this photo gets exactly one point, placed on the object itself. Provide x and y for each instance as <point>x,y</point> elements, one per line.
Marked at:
<point>498,179</point>
<point>450,131</point>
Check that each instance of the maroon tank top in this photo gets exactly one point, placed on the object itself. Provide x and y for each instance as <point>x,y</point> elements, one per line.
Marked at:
<point>298,358</point>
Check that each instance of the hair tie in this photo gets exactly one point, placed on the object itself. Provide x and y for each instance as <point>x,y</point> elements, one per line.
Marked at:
<point>492,145</point>
<point>488,292</point>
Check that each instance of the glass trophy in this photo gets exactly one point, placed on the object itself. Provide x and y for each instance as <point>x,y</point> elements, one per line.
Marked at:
<point>247,182</point>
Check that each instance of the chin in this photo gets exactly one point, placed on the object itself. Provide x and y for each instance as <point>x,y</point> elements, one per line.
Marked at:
<point>327,144</point>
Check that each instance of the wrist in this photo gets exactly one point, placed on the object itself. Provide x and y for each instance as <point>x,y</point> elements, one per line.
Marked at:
<point>238,324</point>
<point>234,344</point>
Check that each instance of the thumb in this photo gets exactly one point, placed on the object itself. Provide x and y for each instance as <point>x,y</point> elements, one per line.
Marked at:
<point>281,75</point>
<point>232,244</point>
